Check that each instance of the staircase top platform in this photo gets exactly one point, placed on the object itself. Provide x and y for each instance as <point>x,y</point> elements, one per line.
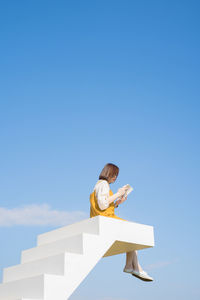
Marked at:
<point>120,230</point>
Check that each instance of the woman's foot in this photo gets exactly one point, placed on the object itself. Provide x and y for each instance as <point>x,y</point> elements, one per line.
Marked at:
<point>137,272</point>
<point>128,269</point>
<point>142,275</point>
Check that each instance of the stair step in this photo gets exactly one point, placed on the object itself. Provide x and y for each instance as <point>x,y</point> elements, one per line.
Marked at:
<point>29,288</point>
<point>34,288</point>
<point>86,226</point>
<point>74,244</point>
<point>29,299</point>
<point>71,244</point>
<point>51,265</point>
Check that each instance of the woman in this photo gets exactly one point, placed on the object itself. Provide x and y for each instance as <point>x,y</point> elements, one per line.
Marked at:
<point>102,203</point>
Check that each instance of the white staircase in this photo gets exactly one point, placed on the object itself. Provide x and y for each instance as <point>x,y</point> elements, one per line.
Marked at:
<point>64,257</point>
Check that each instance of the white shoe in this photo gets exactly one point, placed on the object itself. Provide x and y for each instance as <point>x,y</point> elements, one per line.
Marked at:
<point>142,275</point>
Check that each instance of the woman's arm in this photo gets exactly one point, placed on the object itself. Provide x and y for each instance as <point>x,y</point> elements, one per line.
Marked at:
<point>119,193</point>
<point>121,200</point>
<point>102,193</point>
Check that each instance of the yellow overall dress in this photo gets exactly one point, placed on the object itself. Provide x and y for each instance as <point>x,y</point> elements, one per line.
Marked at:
<point>95,210</point>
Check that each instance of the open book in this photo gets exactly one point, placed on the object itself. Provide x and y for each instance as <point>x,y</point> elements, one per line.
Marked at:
<point>130,189</point>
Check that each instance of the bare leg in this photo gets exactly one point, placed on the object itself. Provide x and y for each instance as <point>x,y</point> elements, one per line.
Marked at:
<point>132,261</point>
<point>135,262</point>
<point>129,260</point>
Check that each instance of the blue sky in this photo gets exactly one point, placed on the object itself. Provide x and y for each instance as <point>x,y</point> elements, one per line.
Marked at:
<point>84,83</point>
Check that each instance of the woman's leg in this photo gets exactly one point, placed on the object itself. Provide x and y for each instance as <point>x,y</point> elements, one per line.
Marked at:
<point>135,262</point>
<point>132,261</point>
<point>129,260</point>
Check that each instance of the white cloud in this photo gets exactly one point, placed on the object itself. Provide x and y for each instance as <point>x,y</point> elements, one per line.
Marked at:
<point>36,214</point>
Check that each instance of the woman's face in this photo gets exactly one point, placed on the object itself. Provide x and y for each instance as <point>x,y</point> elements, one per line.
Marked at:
<point>113,179</point>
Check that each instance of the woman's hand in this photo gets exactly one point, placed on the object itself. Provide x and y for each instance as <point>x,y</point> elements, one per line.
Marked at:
<point>122,191</point>
<point>122,199</point>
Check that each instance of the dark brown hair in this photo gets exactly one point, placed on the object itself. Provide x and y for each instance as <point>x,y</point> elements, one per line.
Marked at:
<point>109,171</point>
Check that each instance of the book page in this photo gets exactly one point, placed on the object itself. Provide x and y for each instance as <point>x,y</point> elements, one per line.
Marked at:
<point>130,189</point>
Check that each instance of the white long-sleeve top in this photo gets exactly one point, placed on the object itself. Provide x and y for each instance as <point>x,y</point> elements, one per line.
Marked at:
<point>102,189</point>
